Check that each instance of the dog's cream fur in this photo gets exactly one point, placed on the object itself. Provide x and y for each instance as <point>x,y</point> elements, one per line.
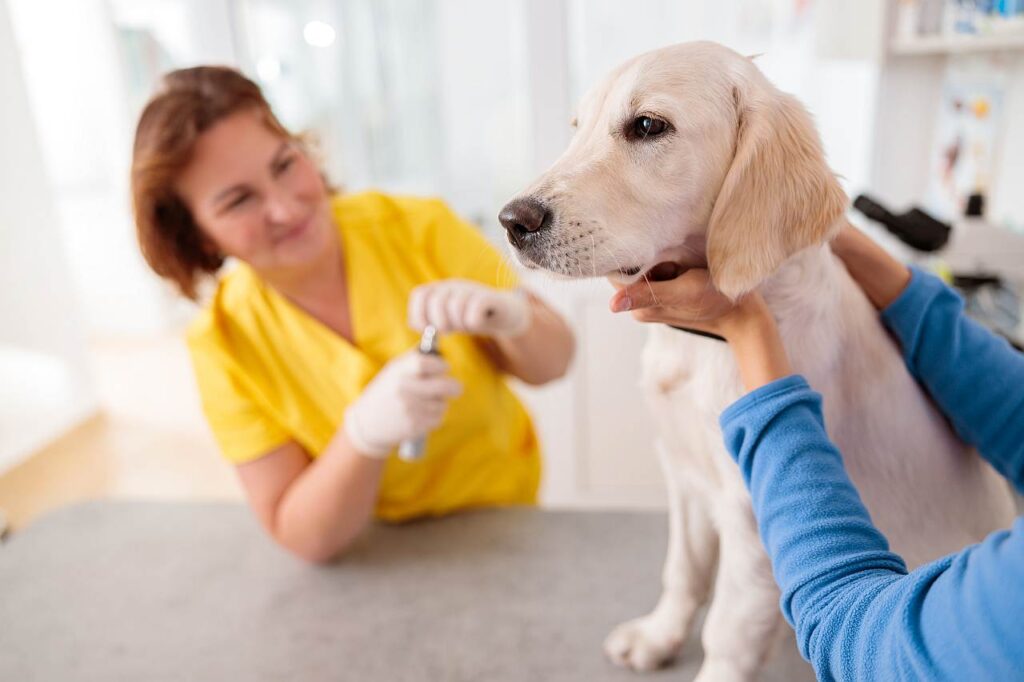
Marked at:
<point>739,183</point>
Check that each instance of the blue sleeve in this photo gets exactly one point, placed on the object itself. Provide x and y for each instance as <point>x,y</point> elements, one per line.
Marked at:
<point>975,377</point>
<point>857,613</point>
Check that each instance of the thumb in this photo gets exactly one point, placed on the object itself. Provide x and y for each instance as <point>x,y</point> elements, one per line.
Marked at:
<point>685,288</point>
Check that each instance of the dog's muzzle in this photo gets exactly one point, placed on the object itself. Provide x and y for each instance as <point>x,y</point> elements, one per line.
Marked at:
<point>524,219</point>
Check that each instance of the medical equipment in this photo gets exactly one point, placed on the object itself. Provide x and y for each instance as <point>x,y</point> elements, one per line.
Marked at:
<point>412,450</point>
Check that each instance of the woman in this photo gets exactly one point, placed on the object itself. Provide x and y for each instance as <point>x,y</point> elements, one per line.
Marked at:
<point>857,613</point>
<point>304,356</point>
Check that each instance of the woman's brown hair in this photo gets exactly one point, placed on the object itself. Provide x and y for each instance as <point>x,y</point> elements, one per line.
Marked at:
<point>187,103</point>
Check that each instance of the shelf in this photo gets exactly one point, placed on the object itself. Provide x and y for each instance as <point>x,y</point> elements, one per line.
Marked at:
<point>942,44</point>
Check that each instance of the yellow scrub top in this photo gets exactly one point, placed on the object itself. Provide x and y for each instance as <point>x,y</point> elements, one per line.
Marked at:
<point>268,372</point>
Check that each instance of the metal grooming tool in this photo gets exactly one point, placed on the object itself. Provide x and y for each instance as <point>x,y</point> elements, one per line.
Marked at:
<point>412,450</point>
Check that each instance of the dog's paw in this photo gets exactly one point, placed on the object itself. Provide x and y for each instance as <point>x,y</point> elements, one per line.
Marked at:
<point>643,644</point>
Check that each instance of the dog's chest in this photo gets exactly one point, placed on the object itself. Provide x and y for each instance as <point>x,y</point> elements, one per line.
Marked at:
<point>685,369</point>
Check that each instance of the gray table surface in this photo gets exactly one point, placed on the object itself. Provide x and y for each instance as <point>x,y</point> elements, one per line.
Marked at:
<point>167,591</point>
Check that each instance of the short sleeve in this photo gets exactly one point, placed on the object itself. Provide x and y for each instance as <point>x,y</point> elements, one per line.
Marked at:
<point>243,430</point>
<point>460,250</point>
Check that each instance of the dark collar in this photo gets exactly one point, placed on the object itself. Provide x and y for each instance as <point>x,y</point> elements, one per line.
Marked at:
<point>707,335</point>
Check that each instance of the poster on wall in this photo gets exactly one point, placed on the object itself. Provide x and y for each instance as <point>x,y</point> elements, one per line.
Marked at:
<point>968,131</point>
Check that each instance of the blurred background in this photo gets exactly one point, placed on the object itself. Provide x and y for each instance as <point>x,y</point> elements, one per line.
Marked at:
<point>463,99</point>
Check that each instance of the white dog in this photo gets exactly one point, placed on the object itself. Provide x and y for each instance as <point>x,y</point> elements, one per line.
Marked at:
<point>689,156</point>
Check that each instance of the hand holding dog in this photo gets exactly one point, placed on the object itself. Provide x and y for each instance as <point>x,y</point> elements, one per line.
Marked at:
<point>691,300</point>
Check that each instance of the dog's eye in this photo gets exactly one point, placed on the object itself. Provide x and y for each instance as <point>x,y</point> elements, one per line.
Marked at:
<point>648,126</point>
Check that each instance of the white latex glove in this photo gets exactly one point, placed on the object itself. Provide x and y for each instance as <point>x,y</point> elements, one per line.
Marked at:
<point>405,400</point>
<point>456,305</point>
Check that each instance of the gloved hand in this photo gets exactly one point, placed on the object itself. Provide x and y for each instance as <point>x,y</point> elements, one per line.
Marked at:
<point>456,305</point>
<point>405,400</point>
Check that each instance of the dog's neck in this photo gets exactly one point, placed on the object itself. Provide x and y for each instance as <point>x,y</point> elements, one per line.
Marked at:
<point>805,295</point>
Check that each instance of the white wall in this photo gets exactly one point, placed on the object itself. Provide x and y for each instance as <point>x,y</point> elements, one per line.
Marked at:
<point>44,383</point>
<point>484,104</point>
<point>75,85</point>
<point>802,55</point>
<point>1007,207</point>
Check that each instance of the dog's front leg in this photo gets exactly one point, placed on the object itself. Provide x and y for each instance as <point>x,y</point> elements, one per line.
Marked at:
<point>650,641</point>
<point>743,620</point>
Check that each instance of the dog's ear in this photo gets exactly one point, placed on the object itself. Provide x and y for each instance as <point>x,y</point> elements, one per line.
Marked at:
<point>778,196</point>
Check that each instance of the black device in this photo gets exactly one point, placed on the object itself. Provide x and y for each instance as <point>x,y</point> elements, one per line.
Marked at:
<point>915,228</point>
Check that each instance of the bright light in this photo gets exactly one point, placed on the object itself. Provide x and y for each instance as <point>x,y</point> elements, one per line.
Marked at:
<point>318,34</point>
<point>268,69</point>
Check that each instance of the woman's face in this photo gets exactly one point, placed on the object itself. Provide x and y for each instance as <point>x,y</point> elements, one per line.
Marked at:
<point>257,196</point>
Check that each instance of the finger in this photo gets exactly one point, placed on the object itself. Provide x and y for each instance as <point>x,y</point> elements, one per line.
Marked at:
<point>433,389</point>
<point>434,410</point>
<point>685,290</point>
<point>455,309</point>
<point>669,316</point>
<point>418,398</point>
<point>429,419</point>
<point>435,306</point>
<point>428,365</point>
<point>424,416</point>
<point>652,314</point>
<point>417,308</point>
<point>416,364</point>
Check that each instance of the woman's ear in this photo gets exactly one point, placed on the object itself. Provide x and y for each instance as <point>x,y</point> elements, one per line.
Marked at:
<point>778,196</point>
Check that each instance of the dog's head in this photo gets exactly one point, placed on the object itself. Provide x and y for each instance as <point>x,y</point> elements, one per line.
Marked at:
<point>684,156</point>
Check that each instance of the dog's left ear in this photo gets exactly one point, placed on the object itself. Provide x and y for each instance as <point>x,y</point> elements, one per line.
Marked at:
<point>778,196</point>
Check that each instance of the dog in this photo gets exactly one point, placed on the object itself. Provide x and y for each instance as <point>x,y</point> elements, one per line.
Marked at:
<point>689,157</point>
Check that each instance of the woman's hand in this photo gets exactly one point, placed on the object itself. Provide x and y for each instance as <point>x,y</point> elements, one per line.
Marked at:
<point>691,301</point>
<point>406,399</point>
<point>882,277</point>
<point>455,305</point>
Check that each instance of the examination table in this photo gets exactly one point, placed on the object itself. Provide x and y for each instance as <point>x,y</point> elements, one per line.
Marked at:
<point>183,591</point>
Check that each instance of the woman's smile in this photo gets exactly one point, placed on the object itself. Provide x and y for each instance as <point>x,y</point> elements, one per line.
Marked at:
<point>293,232</point>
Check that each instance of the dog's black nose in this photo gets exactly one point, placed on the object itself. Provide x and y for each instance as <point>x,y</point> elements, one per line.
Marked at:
<point>523,218</point>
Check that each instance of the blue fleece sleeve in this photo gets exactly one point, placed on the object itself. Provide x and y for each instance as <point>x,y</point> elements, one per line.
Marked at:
<point>857,613</point>
<point>975,377</point>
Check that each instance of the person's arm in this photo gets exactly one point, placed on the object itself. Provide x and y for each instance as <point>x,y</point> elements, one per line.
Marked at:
<point>858,615</point>
<point>975,377</point>
<point>879,275</point>
<point>314,508</point>
<point>542,353</point>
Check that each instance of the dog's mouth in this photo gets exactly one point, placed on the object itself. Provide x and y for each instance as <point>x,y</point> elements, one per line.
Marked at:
<point>661,272</point>
<point>668,264</point>
<point>664,265</point>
